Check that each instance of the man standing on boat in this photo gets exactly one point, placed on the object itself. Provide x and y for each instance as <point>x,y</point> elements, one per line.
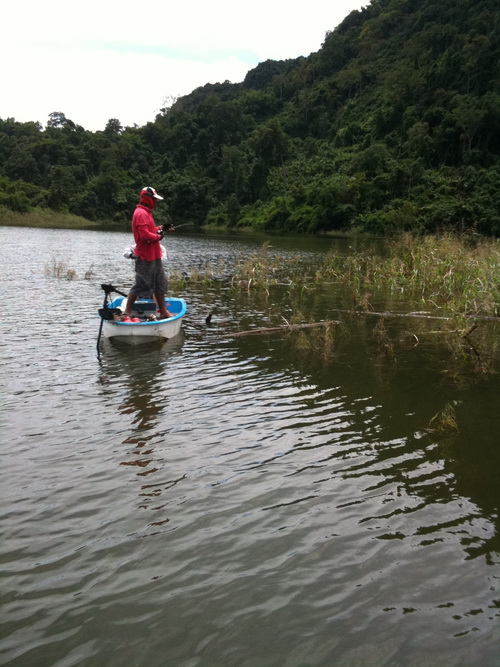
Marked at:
<point>150,278</point>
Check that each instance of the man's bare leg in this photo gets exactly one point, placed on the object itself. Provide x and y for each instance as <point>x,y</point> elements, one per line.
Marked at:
<point>130,303</point>
<point>160,300</point>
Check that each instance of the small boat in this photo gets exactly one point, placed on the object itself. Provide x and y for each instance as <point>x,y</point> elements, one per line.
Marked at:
<point>145,327</point>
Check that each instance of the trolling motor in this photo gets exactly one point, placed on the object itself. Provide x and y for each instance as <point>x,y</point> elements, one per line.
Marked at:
<point>109,288</point>
<point>106,313</point>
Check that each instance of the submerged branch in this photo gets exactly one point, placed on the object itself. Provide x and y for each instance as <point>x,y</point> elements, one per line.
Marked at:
<point>423,315</point>
<point>285,327</point>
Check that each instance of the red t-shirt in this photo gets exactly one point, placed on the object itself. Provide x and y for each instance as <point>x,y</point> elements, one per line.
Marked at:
<point>147,241</point>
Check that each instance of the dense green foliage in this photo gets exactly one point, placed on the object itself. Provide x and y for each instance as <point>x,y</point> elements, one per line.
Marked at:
<point>393,125</point>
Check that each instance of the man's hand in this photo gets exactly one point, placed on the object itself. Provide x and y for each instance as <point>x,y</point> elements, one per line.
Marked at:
<point>160,233</point>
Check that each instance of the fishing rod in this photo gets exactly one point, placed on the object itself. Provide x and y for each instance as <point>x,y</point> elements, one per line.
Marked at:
<point>169,227</point>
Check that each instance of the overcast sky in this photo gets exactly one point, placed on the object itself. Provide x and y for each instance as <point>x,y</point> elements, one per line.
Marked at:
<point>97,60</point>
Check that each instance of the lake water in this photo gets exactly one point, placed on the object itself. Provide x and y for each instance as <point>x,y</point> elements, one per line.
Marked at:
<point>235,501</point>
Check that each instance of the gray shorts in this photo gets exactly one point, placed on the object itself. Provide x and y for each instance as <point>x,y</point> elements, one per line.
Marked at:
<point>150,279</point>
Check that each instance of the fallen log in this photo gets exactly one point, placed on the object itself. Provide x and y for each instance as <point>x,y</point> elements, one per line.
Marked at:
<point>283,328</point>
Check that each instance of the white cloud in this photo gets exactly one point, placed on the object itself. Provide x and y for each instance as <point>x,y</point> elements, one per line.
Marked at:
<point>111,59</point>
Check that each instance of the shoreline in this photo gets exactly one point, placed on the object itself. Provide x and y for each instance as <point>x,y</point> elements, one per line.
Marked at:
<point>42,219</point>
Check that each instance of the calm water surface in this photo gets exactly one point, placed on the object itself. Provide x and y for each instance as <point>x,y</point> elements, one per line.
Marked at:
<point>234,501</point>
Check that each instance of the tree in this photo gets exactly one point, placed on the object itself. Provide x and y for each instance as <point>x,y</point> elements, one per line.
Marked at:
<point>113,128</point>
<point>233,210</point>
<point>231,170</point>
<point>270,143</point>
<point>469,116</point>
<point>63,187</point>
<point>58,120</point>
<point>22,164</point>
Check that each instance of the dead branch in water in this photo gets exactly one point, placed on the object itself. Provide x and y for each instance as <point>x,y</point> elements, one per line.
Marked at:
<point>421,314</point>
<point>285,327</point>
<point>312,325</point>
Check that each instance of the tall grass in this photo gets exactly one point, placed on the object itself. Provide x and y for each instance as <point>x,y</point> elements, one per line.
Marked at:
<point>448,272</point>
<point>455,277</point>
<point>265,268</point>
<point>451,273</point>
<point>60,270</point>
<point>444,422</point>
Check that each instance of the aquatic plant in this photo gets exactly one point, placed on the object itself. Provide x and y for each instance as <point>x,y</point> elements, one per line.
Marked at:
<point>384,345</point>
<point>444,422</point>
<point>265,269</point>
<point>447,272</point>
<point>450,280</point>
<point>210,274</point>
<point>60,270</point>
<point>257,271</point>
<point>470,356</point>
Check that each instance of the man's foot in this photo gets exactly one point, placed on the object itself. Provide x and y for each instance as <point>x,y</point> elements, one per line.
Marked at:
<point>165,315</point>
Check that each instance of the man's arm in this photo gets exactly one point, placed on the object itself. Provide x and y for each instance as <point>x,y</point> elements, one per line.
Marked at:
<point>146,230</point>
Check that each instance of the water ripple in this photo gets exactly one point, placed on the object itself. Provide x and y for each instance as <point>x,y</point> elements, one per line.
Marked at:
<point>216,502</point>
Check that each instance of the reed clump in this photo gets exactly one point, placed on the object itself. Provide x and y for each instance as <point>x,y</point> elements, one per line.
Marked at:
<point>264,269</point>
<point>59,269</point>
<point>206,276</point>
<point>322,342</point>
<point>383,343</point>
<point>444,422</point>
<point>257,271</point>
<point>449,272</point>
<point>456,274</point>
<point>473,350</point>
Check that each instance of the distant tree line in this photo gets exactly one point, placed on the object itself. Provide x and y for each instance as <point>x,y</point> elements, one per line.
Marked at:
<point>393,125</point>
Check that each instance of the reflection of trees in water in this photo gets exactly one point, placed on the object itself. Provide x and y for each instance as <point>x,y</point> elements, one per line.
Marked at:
<point>442,488</point>
<point>473,457</point>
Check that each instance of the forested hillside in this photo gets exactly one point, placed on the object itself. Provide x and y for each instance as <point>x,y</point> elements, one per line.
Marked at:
<point>392,125</point>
